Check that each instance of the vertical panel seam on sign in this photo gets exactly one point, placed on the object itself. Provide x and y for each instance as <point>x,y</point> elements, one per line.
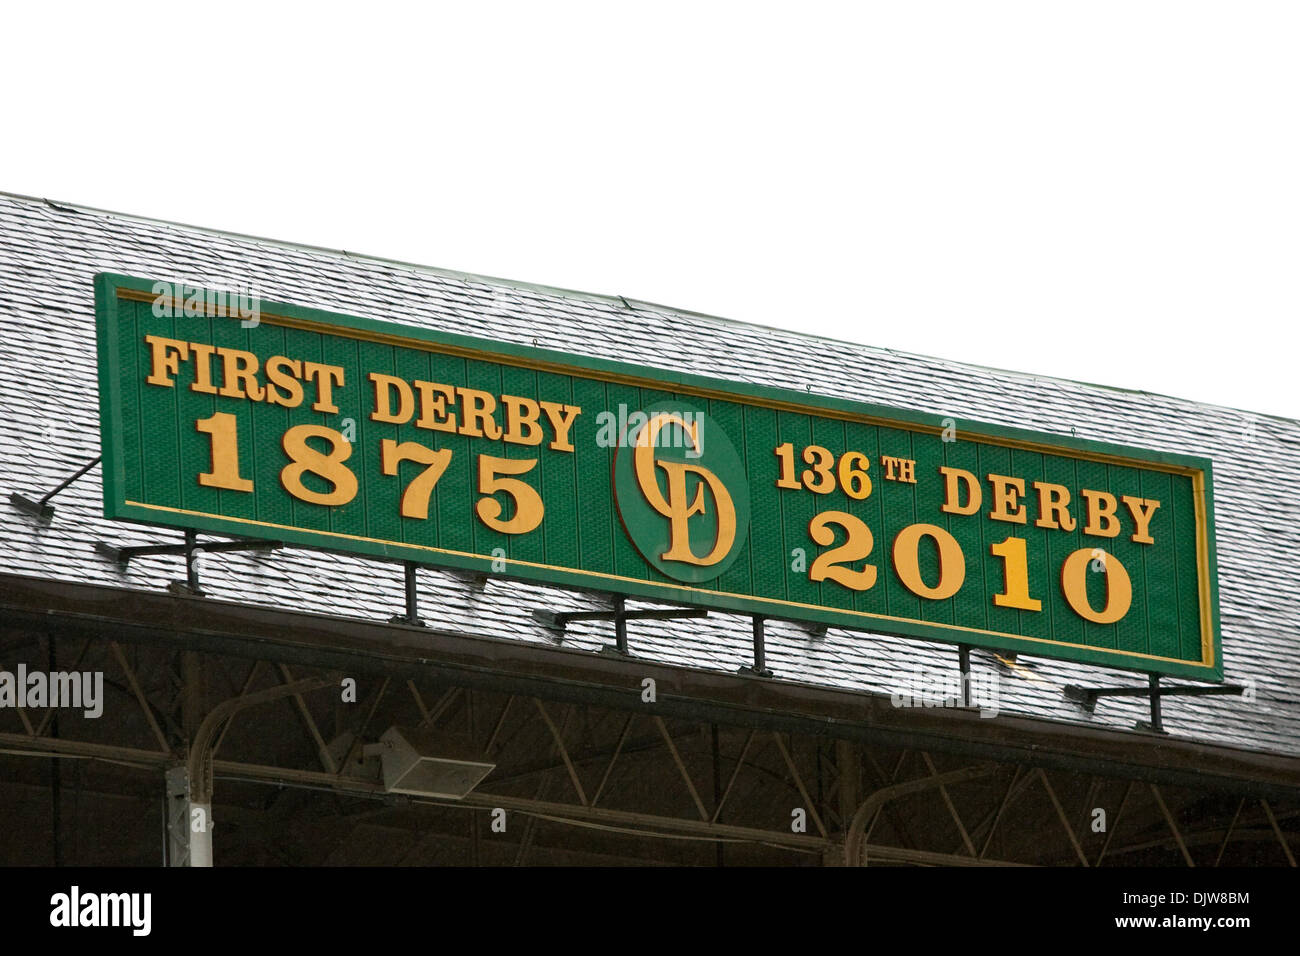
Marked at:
<point>606,463</point>
<point>947,526</point>
<point>173,479</point>
<point>139,399</point>
<point>1048,604</point>
<point>749,532</point>
<point>507,543</point>
<point>460,443</point>
<point>212,408</point>
<point>985,565</point>
<point>1110,630</point>
<point>251,415</point>
<point>433,511</point>
<point>1080,525</point>
<point>399,436</point>
<point>283,412</point>
<point>921,607</point>
<point>1178,606</point>
<point>1044,539</point>
<point>1146,585</point>
<point>174,401</point>
<point>787,568</point>
<point>573,471</point>
<point>882,552</point>
<point>827,592</point>
<point>541,462</point>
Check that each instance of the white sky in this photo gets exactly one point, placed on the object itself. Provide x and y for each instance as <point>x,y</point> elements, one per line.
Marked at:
<point>1098,191</point>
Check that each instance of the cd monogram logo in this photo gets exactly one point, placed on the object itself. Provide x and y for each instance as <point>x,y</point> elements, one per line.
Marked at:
<point>682,494</point>
<point>673,506</point>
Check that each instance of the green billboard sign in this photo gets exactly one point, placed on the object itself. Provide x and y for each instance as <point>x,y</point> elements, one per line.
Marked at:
<point>350,434</point>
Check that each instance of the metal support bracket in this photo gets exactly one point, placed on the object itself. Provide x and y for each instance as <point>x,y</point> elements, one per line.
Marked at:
<point>412,615</point>
<point>963,665</point>
<point>1086,697</point>
<point>814,630</point>
<point>42,508</point>
<point>192,545</point>
<point>474,579</point>
<point>560,620</point>
<point>760,652</point>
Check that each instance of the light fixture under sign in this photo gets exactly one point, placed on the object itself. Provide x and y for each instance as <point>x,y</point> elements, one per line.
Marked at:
<point>416,763</point>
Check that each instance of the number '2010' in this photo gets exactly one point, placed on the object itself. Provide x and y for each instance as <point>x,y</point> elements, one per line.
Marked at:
<point>839,564</point>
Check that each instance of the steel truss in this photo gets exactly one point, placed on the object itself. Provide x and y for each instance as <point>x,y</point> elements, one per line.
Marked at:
<point>277,758</point>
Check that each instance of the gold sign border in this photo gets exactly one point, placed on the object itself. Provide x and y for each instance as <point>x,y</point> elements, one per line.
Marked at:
<point>640,381</point>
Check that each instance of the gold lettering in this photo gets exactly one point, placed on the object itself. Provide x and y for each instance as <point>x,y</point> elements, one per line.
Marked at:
<point>952,494</point>
<point>304,458</point>
<point>167,355</point>
<point>283,373</point>
<point>1074,584</point>
<point>1054,506</point>
<point>325,377</point>
<point>521,421</point>
<point>1100,508</point>
<point>907,564</point>
<point>478,420</point>
<point>239,367</point>
<point>384,387</point>
<point>203,368</point>
<point>1142,509</point>
<point>529,509</point>
<point>1006,499</point>
<point>433,410</point>
<point>562,418</point>
<point>1015,575</point>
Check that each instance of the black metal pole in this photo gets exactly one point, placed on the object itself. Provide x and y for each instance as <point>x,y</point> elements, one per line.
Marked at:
<point>191,572</point>
<point>67,481</point>
<point>42,507</point>
<point>1156,723</point>
<point>620,624</point>
<point>412,595</point>
<point>760,652</point>
<point>963,662</point>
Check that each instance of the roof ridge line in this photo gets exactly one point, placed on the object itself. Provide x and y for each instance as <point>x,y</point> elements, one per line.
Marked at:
<point>615,300</point>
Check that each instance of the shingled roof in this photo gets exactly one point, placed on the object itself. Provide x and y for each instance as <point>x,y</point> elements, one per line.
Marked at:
<point>49,426</point>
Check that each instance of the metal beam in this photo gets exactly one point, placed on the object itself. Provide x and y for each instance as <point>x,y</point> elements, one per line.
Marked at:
<point>952,809</point>
<point>618,749</point>
<point>651,824</point>
<point>677,758</point>
<point>322,749</point>
<point>1272,821</point>
<point>81,610</point>
<point>1173,826</point>
<point>563,751</point>
<point>163,745</point>
<point>798,782</point>
<point>1065,822</point>
<point>1227,836</point>
<point>1114,824</point>
<point>853,842</point>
